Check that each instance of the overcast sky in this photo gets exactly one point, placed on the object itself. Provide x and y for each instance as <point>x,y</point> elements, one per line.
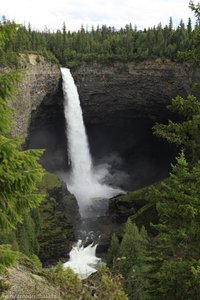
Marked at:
<point>118,13</point>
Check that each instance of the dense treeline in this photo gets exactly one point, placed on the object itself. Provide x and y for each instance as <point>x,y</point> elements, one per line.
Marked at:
<point>103,43</point>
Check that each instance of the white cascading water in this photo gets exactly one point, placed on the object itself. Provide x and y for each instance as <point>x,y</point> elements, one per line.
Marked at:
<point>82,260</point>
<point>84,182</point>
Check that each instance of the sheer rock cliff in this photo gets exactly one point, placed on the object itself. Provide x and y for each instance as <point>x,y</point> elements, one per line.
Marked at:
<point>132,90</point>
<point>107,92</point>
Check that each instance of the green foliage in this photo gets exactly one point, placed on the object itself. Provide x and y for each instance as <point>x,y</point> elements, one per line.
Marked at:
<point>177,203</point>
<point>101,285</point>
<point>49,181</point>
<point>113,250</point>
<point>103,44</point>
<point>26,234</point>
<point>37,265</point>
<point>109,286</point>
<point>185,132</point>
<point>186,108</point>
<point>49,56</point>
<point>196,9</point>
<point>3,286</point>
<point>56,230</point>
<point>128,258</point>
<point>7,90</point>
<point>20,171</point>
<point>8,31</point>
<point>193,54</point>
<point>8,257</point>
<point>175,250</point>
<point>9,58</point>
<point>69,282</point>
<point>24,237</point>
<point>31,263</point>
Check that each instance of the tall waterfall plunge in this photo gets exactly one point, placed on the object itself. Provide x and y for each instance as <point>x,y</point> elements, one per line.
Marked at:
<point>84,181</point>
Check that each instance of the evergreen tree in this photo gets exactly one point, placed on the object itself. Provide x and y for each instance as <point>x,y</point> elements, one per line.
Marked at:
<point>185,132</point>
<point>113,251</point>
<point>19,170</point>
<point>175,260</point>
<point>189,26</point>
<point>103,43</point>
<point>192,53</point>
<point>196,9</point>
<point>101,285</point>
<point>170,24</point>
<point>129,259</point>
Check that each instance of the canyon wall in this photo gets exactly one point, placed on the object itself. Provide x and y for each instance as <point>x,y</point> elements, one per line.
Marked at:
<point>107,92</point>
<point>120,102</point>
<point>41,82</point>
<point>132,90</point>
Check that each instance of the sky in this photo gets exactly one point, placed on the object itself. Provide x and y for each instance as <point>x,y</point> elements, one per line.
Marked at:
<point>117,13</point>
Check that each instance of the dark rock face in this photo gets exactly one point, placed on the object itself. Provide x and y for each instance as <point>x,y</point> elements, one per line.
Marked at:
<point>131,90</point>
<point>124,206</point>
<point>47,131</point>
<point>108,93</point>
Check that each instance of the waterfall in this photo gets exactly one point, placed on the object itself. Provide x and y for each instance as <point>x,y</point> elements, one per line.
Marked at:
<point>82,260</point>
<point>84,182</point>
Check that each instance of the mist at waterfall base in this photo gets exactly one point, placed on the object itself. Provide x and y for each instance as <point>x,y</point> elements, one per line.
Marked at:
<point>84,181</point>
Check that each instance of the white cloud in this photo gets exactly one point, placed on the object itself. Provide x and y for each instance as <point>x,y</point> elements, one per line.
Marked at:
<point>143,13</point>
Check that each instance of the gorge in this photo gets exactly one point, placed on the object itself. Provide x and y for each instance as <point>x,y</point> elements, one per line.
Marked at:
<point>120,104</point>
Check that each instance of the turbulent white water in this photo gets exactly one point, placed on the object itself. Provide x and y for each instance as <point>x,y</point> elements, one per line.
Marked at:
<point>82,260</point>
<point>84,182</point>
